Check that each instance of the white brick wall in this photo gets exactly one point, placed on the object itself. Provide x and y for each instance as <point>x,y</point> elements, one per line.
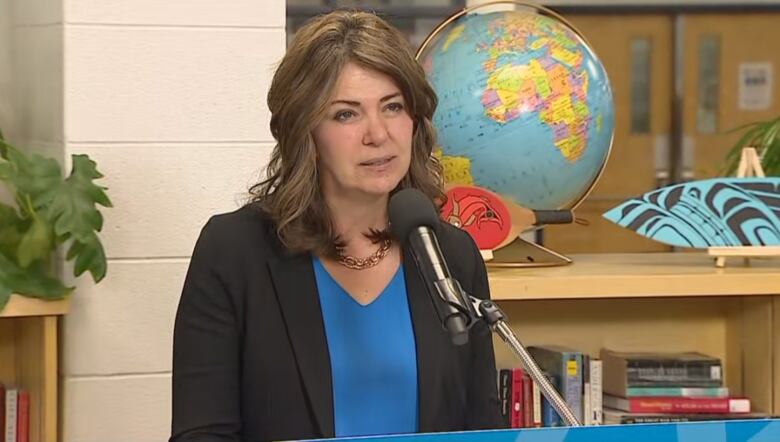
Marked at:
<point>117,408</point>
<point>182,84</point>
<point>169,99</point>
<point>161,216</point>
<point>7,120</point>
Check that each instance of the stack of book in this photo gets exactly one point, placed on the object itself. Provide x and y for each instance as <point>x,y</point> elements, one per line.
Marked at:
<point>644,387</point>
<point>14,414</point>
<point>576,376</point>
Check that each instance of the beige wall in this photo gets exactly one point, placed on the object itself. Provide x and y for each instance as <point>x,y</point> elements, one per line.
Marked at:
<point>169,99</point>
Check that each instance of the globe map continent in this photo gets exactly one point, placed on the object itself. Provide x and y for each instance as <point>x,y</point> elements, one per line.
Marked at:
<point>525,107</point>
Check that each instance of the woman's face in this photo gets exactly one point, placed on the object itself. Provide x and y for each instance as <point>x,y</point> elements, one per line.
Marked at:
<point>364,143</point>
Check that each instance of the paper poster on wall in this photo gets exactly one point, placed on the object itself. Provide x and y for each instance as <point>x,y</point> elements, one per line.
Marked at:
<point>755,86</point>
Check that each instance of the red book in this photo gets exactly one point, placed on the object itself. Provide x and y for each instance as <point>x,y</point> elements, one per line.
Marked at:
<point>516,417</point>
<point>528,401</point>
<point>23,417</point>
<point>678,404</point>
<point>2,412</point>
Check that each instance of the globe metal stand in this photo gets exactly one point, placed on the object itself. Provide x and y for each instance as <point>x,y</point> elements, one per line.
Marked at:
<point>523,253</point>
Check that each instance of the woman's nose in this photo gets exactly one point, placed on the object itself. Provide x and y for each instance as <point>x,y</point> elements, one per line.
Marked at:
<point>376,131</point>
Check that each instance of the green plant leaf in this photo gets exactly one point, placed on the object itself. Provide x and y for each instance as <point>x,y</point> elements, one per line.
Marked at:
<point>31,176</point>
<point>5,294</point>
<point>10,230</point>
<point>36,243</point>
<point>735,152</point>
<point>771,159</point>
<point>762,135</point>
<point>741,127</point>
<point>72,209</point>
<point>3,146</point>
<point>51,210</point>
<point>34,281</point>
<point>91,257</point>
<point>769,135</point>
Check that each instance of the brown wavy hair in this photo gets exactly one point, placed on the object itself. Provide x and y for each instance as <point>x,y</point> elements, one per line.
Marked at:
<point>298,97</point>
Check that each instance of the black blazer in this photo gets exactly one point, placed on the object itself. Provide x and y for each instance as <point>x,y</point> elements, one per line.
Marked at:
<point>250,357</point>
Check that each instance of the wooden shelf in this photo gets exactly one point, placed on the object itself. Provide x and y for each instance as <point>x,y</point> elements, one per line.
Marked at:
<point>24,306</point>
<point>639,275</point>
<point>28,358</point>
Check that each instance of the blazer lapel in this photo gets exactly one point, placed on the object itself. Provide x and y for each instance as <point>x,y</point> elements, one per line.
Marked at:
<point>426,330</point>
<point>296,290</point>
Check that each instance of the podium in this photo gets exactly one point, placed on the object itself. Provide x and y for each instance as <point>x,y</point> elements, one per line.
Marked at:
<point>754,430</point>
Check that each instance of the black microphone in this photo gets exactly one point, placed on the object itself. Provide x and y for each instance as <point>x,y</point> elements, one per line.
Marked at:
<point>413,220</point>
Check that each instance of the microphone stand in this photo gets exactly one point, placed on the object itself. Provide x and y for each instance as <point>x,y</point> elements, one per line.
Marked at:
<point>492,314</point>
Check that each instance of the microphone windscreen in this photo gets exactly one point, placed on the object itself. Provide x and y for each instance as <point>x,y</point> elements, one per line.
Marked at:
<point>409,209</point>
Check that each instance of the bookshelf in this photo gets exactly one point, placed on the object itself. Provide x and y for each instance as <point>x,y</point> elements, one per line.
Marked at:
<point>28,358</point>
<point>653,302</point>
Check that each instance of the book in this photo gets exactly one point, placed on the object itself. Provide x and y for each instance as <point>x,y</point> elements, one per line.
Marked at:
<point>565,365</point>
<point>624,370</point>
<point>2,412</point>
<point>11,407</point>
<point>596,391</point>
<point>505,395</point>
<point>550,417</point>
<point>587,406</point>
<point>678,391</point>
<point>677,404</point>
<point>517,413</point>
<point>536,394</point>
<point>23,417</point>
<point>528,412</point>
<point>618,417</point>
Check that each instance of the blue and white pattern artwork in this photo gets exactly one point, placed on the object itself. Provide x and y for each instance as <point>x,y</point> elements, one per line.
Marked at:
<point>718,212</point>
<point>759,430</point>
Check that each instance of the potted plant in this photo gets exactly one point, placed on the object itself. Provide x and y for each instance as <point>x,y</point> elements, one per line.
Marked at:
<point>51,210</point>
<point>765,137</point>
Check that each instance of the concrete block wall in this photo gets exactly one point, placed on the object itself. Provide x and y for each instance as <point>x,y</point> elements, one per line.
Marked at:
<point>169,99</point>
<point>31,83</point>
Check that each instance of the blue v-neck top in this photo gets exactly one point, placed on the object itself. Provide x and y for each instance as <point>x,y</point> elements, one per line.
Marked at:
<point>373,358</point>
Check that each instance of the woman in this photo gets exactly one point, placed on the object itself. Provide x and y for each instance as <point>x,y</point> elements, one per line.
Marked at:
<point>301,317</point>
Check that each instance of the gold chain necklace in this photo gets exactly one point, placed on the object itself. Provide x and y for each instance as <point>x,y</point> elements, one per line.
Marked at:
<point>365,263</point>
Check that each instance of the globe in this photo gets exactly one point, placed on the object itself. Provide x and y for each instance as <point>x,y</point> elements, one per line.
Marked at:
<point>525,107</point>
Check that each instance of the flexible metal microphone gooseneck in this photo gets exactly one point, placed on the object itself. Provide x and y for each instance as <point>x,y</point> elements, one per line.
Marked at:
<point>413,220</point>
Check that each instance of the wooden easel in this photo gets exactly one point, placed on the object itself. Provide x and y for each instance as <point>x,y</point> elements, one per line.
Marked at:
<point>749,166</point>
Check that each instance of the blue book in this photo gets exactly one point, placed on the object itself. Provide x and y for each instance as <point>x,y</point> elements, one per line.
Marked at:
<point>550,417</point>
<point>565,365</point>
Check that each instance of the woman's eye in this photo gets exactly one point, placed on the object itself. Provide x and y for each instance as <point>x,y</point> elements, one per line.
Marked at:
<point>395,107</point>
<point>344,115</point>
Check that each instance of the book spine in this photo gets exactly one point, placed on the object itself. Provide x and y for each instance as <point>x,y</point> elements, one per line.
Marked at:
<point>505,395</point>
<point>689,405</point>
<point>2,412</point>
<point>537,408</point>
<point>587,409</point>
<point>517,399</point>
<point>528,413</point>
<point>596,391</point>
<point>571,384</point>
<point>23,417</point>
<point>653,419</point>
<point>716,392</point>
<point>693,383</point>
<point>682,373</point>
<point>11,407</point>
<point>550,417</point>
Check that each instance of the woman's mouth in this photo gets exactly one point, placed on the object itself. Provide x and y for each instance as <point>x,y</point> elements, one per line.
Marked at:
<point>378,162</point>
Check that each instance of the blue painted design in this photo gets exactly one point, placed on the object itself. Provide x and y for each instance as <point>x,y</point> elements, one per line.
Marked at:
<point>708,213</point>
<point>758,430</point>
